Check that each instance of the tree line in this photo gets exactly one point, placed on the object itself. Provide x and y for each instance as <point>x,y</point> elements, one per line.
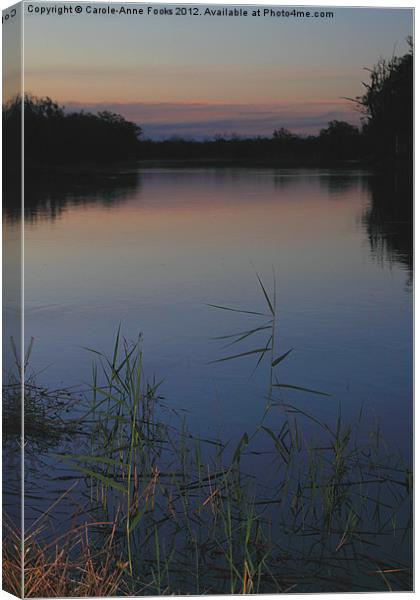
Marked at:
<point>385,136</point>
<point>52,134</point>
<point>339,141</point>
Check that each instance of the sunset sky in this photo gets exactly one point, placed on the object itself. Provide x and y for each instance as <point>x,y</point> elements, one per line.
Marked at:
<point>198,76</point>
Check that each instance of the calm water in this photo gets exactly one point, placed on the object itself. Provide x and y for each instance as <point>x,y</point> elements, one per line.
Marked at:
<point>150,248</point>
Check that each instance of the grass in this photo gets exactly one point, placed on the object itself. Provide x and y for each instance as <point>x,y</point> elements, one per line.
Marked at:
<point>169,513</point>
<point>66,566</point>
<point>46,411</point>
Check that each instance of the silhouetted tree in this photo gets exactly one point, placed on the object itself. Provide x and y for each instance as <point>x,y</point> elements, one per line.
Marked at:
<point>12,133</point>
<point>53,135</point>
<point>340,140</point>
<point>283,134</point>
<point>387,106</point>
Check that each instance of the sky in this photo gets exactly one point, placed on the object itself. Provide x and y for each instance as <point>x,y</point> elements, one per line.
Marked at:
<point>199,76</point>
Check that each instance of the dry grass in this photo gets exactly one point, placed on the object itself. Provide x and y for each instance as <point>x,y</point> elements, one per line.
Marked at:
<point>71,565</point>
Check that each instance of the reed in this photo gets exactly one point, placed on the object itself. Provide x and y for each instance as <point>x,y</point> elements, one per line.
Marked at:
<point>68,565</point>
<point>171,513</point>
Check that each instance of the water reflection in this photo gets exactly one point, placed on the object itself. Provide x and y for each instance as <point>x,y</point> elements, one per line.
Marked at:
<point>388,217</point>
<point>48,195</point>
<point>388,220</point>
<point>151,248</point>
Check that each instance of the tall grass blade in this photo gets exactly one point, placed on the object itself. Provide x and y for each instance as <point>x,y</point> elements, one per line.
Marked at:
<point>136,520</point>
<point>246,312</point>
<point>268,349</point>
<point>102,478</point>
<point>257,351</point>
<point>241,333</point>
<point>267,297</point>
<point>300,389</point>
<point>96,459</point>
<point>279,359</point>
<point>243,443</point>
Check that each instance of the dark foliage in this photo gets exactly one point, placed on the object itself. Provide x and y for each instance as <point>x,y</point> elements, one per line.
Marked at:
<point>53,135</point>
<point>387,106</point>
<point>339,141</point>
